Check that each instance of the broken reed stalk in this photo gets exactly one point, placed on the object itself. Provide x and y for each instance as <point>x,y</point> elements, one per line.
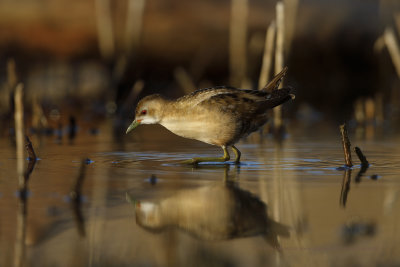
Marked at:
<point>361,156</point>
<point>279,56</point>
<point>346,145</point>
<point>75,193</point>
<point>268,56</point>
<point>238,41</point>
<point>19,131</point>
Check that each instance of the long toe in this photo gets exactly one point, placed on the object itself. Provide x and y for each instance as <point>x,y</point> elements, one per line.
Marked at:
<point>193,161</point>
<point>224,158</point>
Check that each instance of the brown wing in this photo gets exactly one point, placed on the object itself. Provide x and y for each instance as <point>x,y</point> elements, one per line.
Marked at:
<point>248,108</point>
<point>204,94</point>
<point>248,101</point>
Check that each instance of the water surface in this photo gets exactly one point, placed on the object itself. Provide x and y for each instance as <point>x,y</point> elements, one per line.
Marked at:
<point>285,205</point>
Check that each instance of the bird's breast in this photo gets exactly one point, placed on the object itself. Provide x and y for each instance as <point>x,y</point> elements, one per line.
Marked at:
<point>203,128</point>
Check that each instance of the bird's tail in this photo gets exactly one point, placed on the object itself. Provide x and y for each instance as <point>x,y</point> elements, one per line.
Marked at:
<point>276,81</point>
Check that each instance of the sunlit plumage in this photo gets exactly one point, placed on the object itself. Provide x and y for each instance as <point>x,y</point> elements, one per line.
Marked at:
<point>218,116</point>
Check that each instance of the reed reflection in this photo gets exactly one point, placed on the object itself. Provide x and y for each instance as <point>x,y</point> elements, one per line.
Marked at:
<point>19,254</point>
<point>347,177</point>
<point>216,212</point>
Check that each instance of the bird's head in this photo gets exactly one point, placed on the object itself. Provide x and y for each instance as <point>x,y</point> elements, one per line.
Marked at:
<point>148,111</point>
<point>148,214</point>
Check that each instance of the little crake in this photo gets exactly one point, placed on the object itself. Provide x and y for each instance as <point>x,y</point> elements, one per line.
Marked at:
<point>218,116</point>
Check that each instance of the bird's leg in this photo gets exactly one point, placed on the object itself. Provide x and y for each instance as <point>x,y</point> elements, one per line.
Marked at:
<point>237,154</point>
<point>224,158</point>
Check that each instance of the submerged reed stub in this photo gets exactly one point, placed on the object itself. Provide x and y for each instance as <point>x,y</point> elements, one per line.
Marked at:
<point>29,148</point>
<point>75,193</point>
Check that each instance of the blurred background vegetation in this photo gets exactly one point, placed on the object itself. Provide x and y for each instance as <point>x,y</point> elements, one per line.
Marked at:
<point>95,58</point>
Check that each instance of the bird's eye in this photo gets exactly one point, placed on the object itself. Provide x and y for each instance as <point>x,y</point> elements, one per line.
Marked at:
<point>143,112</point>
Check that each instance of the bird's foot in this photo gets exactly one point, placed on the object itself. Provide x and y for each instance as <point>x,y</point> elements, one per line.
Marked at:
<point>195,161</point>
<point>189,162</point>
<point>225,157</point>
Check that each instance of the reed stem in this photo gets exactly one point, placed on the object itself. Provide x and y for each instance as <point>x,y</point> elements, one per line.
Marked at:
<point>279,57</point>
<point>393,47</point>
<point>361,156</point>
<point>265,73</point>
<point>237,42</point>
<point>105,28</point>
<point>19,131</point>
<point>133,25</point>
<point>346,145</point>
<point>345,187</point>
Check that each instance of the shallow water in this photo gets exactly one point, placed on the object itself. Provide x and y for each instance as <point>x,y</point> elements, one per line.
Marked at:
<point>285,205</point>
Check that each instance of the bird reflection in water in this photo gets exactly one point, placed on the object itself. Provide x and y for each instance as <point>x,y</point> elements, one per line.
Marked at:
<point>215,212</point>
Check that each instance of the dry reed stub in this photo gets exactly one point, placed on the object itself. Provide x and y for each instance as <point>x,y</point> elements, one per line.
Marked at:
<point>346,145</point>
<point>361,156</point>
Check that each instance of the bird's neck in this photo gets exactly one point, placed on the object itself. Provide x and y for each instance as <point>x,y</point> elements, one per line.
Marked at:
<point>167,110</point>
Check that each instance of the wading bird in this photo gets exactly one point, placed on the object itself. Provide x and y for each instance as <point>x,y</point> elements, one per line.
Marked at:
<point>218,116</point>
